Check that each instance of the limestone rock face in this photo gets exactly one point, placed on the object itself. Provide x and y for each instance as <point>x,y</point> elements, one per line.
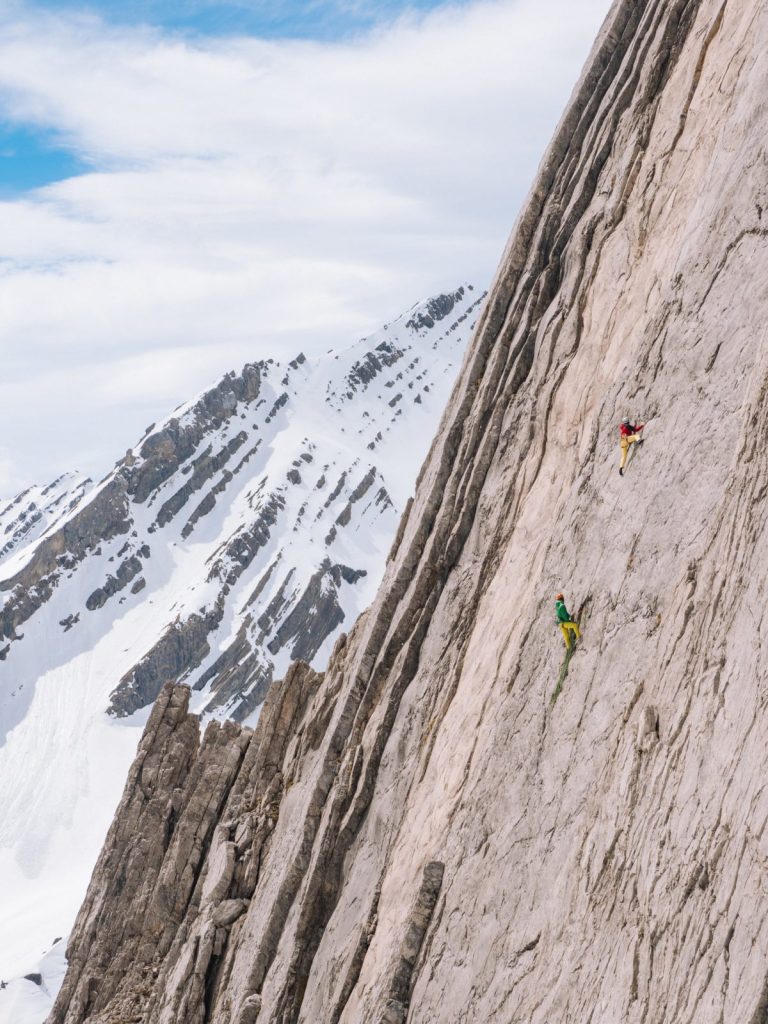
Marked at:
<point>425,834</point>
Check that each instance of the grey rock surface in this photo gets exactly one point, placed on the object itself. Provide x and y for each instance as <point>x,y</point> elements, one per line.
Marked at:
<point>423,834</point>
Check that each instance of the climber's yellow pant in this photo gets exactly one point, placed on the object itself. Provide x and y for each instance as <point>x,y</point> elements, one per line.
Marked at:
<point>625,443</point>
<point>568,628</point>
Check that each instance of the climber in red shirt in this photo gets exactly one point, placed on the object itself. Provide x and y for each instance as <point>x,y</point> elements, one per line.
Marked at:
<point>630,434</point>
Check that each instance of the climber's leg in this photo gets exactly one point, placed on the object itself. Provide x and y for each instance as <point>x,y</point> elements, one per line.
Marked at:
<point>569,628</point>
<point>625,443</point>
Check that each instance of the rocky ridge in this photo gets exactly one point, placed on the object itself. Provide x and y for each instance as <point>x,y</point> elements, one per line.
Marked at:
<point>425,833</point>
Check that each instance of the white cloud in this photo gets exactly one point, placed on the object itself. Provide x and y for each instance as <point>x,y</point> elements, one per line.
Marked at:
<point>252,198</point>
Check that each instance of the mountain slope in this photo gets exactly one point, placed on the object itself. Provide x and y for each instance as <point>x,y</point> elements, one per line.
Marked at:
<point>423,833</point>
<point>244,530</point>
<point>306,451</point>
<point>27,516</point>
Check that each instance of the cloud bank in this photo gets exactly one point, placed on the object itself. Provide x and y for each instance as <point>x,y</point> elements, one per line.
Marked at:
<point>250,198</point>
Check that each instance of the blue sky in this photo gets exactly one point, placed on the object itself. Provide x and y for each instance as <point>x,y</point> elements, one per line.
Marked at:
<point>309,20</point>
<point>205,185</point>
<point>31,157</point>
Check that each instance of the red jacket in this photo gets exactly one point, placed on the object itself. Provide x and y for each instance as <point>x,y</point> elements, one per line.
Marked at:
<point>626,429</point>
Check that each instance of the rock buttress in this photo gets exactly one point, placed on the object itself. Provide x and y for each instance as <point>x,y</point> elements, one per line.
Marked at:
<point>601,859</point>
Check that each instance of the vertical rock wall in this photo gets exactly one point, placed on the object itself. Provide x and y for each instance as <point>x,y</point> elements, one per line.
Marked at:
<point>425,834</point>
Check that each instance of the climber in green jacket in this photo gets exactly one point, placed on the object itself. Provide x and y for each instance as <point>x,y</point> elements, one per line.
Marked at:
<point>565,622</point>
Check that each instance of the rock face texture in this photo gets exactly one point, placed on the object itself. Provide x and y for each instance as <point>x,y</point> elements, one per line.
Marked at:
<point>424,834</point>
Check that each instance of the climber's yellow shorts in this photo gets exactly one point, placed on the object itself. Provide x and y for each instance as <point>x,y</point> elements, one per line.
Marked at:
<point>625,443</point>
<point>568,628</point>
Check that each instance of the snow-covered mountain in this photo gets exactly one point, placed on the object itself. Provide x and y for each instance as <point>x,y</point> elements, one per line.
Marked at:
<point>31,513</point>
<point>245,531</point>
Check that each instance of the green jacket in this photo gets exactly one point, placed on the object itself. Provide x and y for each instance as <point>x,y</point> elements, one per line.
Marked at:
<point>562,612</point>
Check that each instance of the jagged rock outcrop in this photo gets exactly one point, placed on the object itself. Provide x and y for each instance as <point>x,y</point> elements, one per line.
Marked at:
<point>447,843</point>
<point>180,795</point>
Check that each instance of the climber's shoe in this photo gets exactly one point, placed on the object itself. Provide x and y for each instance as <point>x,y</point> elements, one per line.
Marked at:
<point>621,471</point>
